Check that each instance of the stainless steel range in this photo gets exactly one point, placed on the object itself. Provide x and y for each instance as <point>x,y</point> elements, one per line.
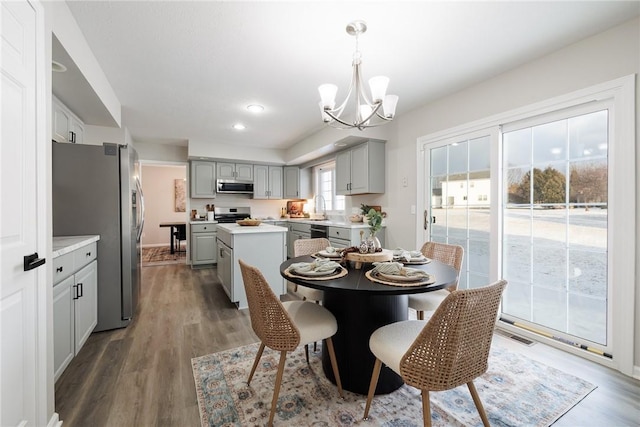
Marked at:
<point>230,215</point>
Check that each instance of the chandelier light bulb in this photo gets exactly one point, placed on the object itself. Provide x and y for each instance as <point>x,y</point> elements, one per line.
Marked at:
<point>389,106</point>
<point>328,95</point>
<point>378,87</point>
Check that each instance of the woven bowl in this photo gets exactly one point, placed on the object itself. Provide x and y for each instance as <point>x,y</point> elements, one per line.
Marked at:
<point>248,222</point>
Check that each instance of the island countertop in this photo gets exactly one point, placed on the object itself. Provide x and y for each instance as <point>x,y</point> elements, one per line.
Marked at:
<point>240,229</point>
<point>65,244</point>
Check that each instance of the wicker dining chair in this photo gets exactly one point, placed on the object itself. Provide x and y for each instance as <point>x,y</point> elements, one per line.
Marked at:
<point>448,350</point>
<point>448,254</point>
<point>283,326</point>
<point>309,247</point>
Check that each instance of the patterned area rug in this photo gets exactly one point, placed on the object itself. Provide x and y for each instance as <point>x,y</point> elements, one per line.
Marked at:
<point>159,255</point>
<point>515,391</point>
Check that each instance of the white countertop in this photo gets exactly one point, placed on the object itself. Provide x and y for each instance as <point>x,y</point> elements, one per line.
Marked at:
<point>245,229</point>
<point>202,221</point>
<point>331,223</point>
<point>65,244</point>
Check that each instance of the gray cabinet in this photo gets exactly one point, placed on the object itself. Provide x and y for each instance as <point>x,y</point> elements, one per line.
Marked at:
<point>361,169</point>
<point>297,183</point>
<point>203,244</point>
<point>342,237</point>
<point>240,171</point>
<point>203,179</point>
<point>75,303</point>
<point>267,182</point>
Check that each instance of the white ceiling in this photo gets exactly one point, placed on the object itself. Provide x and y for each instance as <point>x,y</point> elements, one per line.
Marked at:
<point>187,70</point>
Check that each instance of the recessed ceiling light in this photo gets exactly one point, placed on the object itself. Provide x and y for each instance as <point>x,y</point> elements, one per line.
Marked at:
<point>255,108</point>
<point>58,67</point>
<point>239,126</point>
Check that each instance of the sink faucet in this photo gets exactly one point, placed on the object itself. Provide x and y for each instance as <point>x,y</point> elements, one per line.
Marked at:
<point>324,205</point>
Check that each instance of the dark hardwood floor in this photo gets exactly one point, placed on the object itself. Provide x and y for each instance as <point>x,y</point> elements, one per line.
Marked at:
<point>141,375</point>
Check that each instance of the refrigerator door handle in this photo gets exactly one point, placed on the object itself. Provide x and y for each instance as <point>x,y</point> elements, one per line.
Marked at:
<point>139,186</point>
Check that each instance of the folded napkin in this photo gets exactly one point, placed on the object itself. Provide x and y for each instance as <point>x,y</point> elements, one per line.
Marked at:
<point>399,253</point>
<point>318,265</point>
<point>397,269</point>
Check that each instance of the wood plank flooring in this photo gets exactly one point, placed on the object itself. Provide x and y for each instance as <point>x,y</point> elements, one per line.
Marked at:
<point>141,375</point>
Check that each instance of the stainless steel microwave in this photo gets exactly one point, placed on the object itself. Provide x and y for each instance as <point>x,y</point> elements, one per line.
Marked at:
<point>234,186</point>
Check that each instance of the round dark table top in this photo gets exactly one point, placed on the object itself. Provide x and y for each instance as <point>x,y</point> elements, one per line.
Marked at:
<point>356,281</point>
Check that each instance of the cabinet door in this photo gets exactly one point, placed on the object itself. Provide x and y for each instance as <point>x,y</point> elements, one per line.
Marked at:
<point>291,182</point>
<point>275,182</point>
<point>360,169</point>
<point>260,182</point>
<point>63,326</point>
<point>61,123</point>
<point>204,248</point>
<point>343,173</point>
<point>244,172</point>
<point>226,170</point>
<point>86,303</point>
<point>203,179</point>
<point>225,269</point>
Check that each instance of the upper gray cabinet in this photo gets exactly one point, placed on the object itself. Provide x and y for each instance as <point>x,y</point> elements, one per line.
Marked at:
<point>235,171</point>
<point>66,126</point>
<point>267,183</point>
<point>297,183</point>
<point>361,169</point>
<point>203,179</point>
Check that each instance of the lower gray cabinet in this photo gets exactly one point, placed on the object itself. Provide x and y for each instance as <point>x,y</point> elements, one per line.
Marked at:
<point>75,304</point>
<point>203,244</point>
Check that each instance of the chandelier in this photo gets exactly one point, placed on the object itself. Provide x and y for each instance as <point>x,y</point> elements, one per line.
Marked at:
<point>368,112</point>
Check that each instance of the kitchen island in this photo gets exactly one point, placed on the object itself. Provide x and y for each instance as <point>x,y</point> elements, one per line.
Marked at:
<point>263,246</point>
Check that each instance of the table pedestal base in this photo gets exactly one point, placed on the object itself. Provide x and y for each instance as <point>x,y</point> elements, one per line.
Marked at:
<point>359,315</point>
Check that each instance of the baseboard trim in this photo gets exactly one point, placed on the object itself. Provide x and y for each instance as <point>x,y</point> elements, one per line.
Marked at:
<point>54,421</point>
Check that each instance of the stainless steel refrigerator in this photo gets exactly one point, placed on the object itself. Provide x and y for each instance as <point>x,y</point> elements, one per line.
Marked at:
<point>96,190</point>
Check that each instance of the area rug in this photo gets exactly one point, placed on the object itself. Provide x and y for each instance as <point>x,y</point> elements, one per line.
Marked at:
<point>160,255</point>
<point>515,391</point>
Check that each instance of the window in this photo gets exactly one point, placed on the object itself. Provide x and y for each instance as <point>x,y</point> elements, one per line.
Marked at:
<point>325,186</point>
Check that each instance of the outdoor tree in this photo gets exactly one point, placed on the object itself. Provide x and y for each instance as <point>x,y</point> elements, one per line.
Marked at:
<point>548,186</point>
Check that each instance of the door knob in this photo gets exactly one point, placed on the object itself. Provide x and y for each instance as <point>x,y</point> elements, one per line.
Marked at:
<point>32,261</point>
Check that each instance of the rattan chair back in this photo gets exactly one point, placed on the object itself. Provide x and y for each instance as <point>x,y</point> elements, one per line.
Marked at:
<point>449,254</point>
<point>453,348</point>
<point>269,319</point>
<point>310,246</point>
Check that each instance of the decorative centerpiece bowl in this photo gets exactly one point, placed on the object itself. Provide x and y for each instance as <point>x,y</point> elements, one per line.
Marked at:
<point>355,218</point>
<point>248,222</point>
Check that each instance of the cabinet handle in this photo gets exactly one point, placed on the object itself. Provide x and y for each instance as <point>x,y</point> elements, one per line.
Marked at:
<point>59,269</point>
<point>75,292</point>
<point>88,254</point>
<point>81,288</point>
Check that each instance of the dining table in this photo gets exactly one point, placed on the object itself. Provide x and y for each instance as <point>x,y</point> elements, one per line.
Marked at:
<point>360,306</point>
<point>174,226</point>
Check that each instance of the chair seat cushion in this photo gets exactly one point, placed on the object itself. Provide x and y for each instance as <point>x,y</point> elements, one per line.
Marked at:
<point>389,343</point>
<point>427,301</point>
<point>309,293</point>
<point>314,322</point>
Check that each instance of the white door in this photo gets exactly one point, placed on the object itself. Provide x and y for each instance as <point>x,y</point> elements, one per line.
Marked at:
<point>23,308</point>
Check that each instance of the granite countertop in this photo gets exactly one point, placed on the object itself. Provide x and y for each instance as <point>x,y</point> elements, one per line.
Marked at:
<point>65,244</point>
<point>262,228</point>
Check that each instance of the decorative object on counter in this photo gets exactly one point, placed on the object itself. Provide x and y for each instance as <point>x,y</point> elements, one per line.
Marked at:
<point>368,112</point>
<point>283,213</point>
<point>180,195</point>
<point>355,218</point>
<point>194,214</point>
<point>248,222</point>
<point>295,209</point>
<point>364,247</point>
